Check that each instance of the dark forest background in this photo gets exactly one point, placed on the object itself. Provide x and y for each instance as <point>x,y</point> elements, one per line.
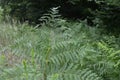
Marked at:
<point>108,11</point>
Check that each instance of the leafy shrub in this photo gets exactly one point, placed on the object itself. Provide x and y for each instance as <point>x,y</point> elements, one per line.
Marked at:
<point>109,14</point>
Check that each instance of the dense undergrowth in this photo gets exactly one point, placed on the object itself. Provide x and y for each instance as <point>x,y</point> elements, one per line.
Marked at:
<point>58,50</point>
<point>73,51</point>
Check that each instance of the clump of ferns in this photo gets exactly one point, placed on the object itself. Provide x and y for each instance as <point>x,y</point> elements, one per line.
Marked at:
<point>110,52</point>
<point>62,61</point>
<point>108,59</point>
<point>64,55</point>
<point>66,65</point>
<point>52,18</point>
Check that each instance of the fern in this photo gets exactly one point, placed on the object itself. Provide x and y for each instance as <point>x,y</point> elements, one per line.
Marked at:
<point>51,19</point>
<point>45,53</point>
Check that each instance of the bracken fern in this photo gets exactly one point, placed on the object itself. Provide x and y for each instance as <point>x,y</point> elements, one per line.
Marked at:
<point>77,53</point>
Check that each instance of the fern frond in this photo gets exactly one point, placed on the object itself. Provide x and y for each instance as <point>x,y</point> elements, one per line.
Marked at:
<point>50,19</point>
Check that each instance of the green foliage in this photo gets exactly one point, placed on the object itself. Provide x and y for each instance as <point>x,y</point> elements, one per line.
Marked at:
<point>51,19</point>
<point>73,51</point>
<point>1,14</point>
<point>110,2</point>
<point>28,10</point>
<point>109,14</point>
<point>2,59</point>
<point>32,10</point>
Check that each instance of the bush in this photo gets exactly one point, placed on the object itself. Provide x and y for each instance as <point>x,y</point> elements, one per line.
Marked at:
<point>109,14</point>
